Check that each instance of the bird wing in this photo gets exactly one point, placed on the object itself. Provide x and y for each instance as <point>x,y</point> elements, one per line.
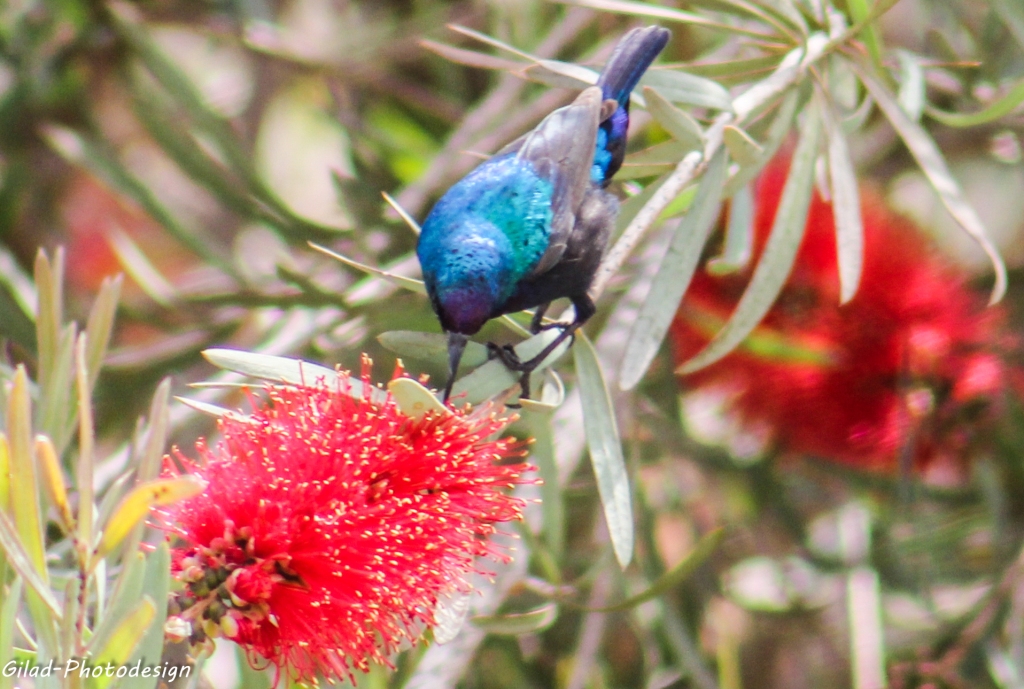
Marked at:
<point>561,150</point>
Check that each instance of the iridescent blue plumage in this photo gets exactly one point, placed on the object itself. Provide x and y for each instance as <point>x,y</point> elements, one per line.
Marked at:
<point>530,225</point>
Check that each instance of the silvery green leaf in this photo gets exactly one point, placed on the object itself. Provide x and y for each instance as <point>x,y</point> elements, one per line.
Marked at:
<point>602,432</point>
<point>779,253</point>
<point>515,624</point>
<point>494,377</point>
<point>674,275</point>
<point>739,235</point>
<point>743,149</point>
<point>911,94</point>
<point>279,369</point>
<point>930,159</point>
<point>845,205</point>
<point>430,347</point>
<point>676,122</point>
<point>680,87</point>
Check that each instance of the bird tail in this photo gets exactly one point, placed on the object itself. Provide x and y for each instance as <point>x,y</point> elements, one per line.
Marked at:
<point>632,56</point>
<point>630,59</point>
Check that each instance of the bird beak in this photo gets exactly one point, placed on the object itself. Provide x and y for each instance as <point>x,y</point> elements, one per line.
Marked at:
<point>456,345</point>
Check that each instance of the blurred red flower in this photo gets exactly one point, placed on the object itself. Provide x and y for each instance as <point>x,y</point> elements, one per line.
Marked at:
<point>330,525</point>
<point>915,361</point>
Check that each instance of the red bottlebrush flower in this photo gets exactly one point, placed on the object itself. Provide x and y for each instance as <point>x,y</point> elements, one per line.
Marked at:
<point>330,525</point>
<point>914,360</point>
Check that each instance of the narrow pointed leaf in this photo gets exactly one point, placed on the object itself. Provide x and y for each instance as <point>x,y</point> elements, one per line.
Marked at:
<point>561,74</point>
<point>20,559</point>
<point>53,481</point>
<point>124,639</point>
<point>776,135</point>
<point>704,549</point>
<point>156,585</point>
<point>86,441</point>
<point>674,275</point>
<point>845,204</point>
<point>779,253</point>
<point>606,458</point>
<point>739,235</point>
<point>8,613</point>
<point>100,325</point>
<point>680,87</point>
<point>999,108</point>
<point>930,159</point>
<point>911,93</point>
<point>516,624</point>
<point>644,9</point>
<point>494,377</point>
<point>743,149</point>
<point>397,280</point>
<point>48,314</point>
<point>402,213</point>
<point>430,347</point>
<point>136,505</point>
<point>470,58</point>
<point>676,122</point>
<point>279,369</point>
<point>127,592</point>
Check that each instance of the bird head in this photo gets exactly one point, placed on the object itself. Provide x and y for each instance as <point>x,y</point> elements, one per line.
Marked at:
<point>470,283</point>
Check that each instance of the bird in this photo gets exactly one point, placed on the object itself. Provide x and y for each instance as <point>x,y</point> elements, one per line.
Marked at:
<point>531,224</point>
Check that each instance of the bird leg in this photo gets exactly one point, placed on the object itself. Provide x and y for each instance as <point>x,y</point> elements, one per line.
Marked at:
<point>537,324</point>
<point>456,345</point>
<point>584,310</point>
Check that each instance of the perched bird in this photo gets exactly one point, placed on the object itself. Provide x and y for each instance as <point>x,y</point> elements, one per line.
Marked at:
<point>530,225</point>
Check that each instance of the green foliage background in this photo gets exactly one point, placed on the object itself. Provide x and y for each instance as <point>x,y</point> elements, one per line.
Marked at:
<point>199,147</point>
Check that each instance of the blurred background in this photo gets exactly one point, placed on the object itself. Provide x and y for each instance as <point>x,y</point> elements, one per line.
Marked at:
<point>198,146</point>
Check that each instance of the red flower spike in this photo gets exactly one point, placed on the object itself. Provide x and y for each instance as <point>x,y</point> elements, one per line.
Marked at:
<point>331,524</point>
<point>857,383</point>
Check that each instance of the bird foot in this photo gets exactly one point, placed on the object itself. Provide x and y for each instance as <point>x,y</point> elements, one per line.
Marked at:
<point>507,355</point>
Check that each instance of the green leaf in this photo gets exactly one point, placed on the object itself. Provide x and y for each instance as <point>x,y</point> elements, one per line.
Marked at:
<point>279,369</point>
<point>845,203</point>
<point>123,641</point>
<point>430,347</point>
<point>8,614</point>
<point>49,311</point>
<point>134,507</point>
<point>779,252</point>
<point>470,58</point>
<point>562,75</point>
<point>1012,14</point>
<point>704,549</point>
<point>100,325</point>
<point>739,235</point>
<point>398,280</point>
<point>680,87</point>
<point>776,135</point>
<point>676,122</point>
<point>156,585</point>
<point>86,442</point>
<point>125,596</point>
<point>516,624</point>
<point>999,108</point>
<point>674,275</point>
<point>414,400</point>
<point>14,324</point>
<point>23,540</point>
<point>605,447</point>
<point>860,11</point>
<point>931,162</point>
<point>494,377</point>
<point>911,94</point>
<point>743,149</point>
<point>643,9</point>
<point>20,559</point>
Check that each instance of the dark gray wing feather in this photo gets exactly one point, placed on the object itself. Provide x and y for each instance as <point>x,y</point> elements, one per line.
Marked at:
<point>561,149</point>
